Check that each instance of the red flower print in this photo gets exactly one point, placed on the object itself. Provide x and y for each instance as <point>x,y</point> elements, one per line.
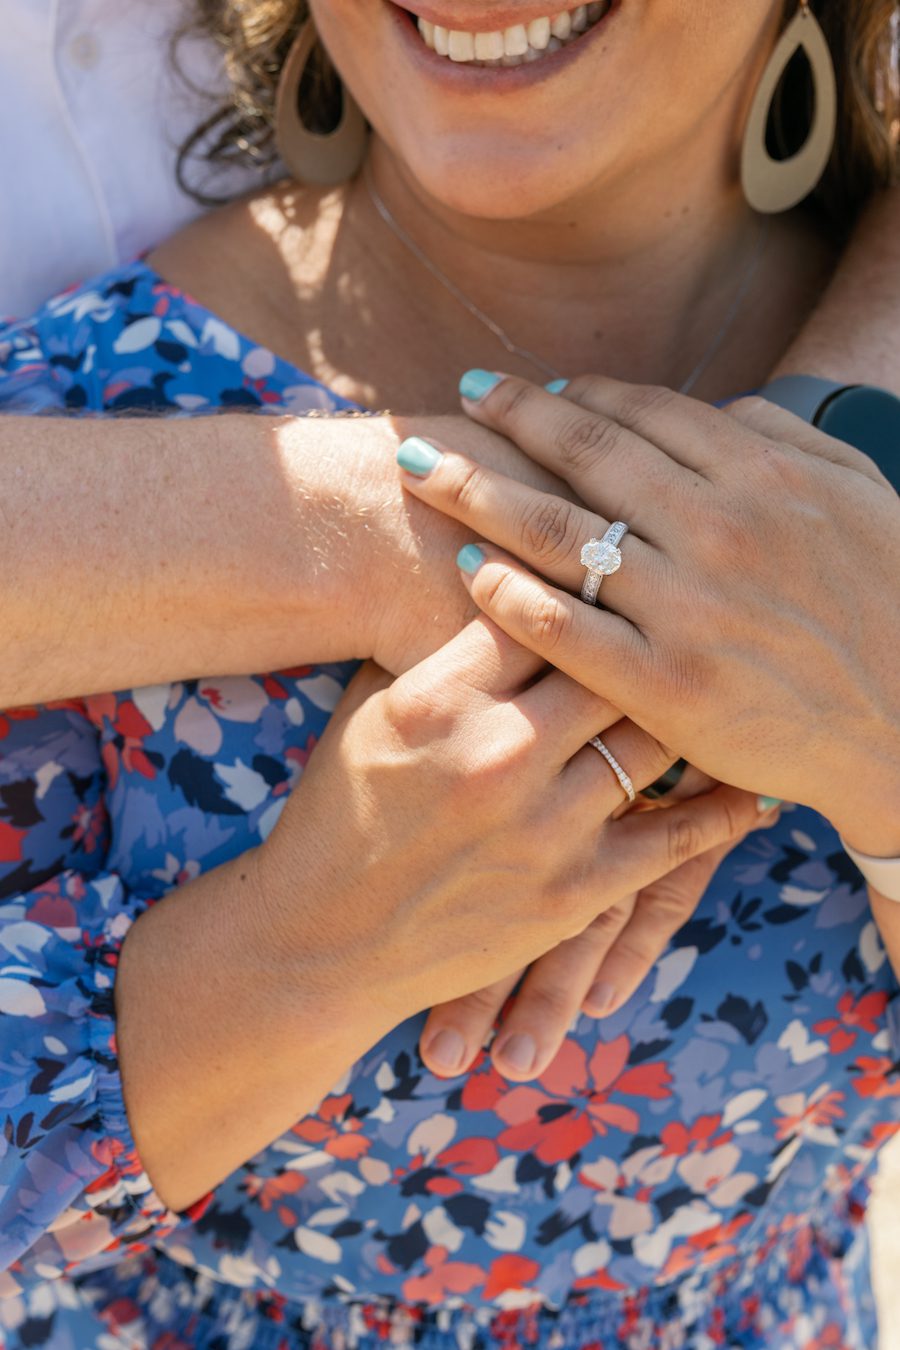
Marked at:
<point>484,1086</point>
<point>852,1014</point>
<point>469,1158</point>
<point>51,907</point>
<point>707,1248</point>
<point>831,1338</point>
<point>599,1280</point>
<point>876,1077</point>
<point>678,1139</point>
<point>811,1117</point>
<point>10,842</point>
<point>131,727</point>
<point>87,824</point>
<point>573,1101</point>
<point>19,715</point>
<point>271,1191</point>
<point>119,1314</point>
<point>509,1272</point>
<point>333,1130</point>
<point>444,1277</point>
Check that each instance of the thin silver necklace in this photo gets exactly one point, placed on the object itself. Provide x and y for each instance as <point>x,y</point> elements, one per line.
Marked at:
<point>513,347</point>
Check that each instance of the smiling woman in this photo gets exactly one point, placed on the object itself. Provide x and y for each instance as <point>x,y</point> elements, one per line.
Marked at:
<point>257,928</point>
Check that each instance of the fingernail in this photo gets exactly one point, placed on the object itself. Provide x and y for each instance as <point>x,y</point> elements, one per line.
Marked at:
<point>418,457</point>
<point>476,383</point>
<point>764,804</point>
<point>519,1052</point>
<point>556,386</point>
<point>470,558</point>
<point>447,1049</point>
<point>601,997</point>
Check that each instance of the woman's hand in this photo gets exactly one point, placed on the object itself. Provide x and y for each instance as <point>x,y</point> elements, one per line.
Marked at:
<point>594,973</point>
<point>405,553</point>
<point>452,826</point>
<point>754,622</point>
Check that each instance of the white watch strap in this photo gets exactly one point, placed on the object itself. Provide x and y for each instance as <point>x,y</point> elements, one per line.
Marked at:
<point>883,874</point>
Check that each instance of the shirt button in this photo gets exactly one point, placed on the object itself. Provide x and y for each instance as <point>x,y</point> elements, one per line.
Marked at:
<point>84,51</point>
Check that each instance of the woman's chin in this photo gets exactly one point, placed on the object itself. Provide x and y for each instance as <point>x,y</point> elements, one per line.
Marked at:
<point>493,186</point>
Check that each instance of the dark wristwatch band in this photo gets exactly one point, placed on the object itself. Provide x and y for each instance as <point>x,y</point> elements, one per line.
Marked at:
<point>858,414</point>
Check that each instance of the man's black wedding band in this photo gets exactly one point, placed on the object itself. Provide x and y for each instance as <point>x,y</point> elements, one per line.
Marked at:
<point>666,782</point>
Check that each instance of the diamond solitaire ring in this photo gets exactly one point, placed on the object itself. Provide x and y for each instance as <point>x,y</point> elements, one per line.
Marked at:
<point>625,782</point>
<point>601,557</point>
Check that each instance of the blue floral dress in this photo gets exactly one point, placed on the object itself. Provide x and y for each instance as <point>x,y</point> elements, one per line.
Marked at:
<point>686,1175</point>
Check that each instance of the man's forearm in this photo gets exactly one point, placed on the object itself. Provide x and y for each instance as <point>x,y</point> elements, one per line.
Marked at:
<point>854,334</point>
<point>135,551</point>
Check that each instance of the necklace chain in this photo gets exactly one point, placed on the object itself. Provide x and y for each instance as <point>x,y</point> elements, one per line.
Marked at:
<point>514,348</point>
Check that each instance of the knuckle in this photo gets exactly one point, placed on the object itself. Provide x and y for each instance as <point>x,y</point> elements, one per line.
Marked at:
<point>410,708</point>
<point>550,1001</point>
<point>685,839</point>
<point>636,952</point>
<point>638,402</point>
<point>731,822</point>
<point>778,463</point>
<point>482,1005</point>
<point>751,410</point>
<point>548,530</point>
<point>586,440</point>
<point>583,386</point>
<point>462,490</point>
<point>514,399</point>
<point>548,619</point>
<point>498,591</point>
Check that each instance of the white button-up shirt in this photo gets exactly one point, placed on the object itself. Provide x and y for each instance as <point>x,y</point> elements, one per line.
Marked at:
<point>92,112</point>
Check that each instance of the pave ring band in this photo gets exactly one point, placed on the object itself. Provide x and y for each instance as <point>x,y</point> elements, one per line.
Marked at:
<point>625,782</point>
<point>601,557</point>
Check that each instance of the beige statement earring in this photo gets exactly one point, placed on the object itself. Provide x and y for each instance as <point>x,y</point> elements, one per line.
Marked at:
<point>309,155</point>
<point>772,185</point>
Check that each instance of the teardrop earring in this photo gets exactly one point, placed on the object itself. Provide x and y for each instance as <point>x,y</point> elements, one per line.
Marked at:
<point>772,185</point>
<point>309,155</point>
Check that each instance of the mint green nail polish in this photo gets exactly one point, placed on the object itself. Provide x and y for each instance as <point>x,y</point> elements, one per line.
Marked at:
<point>418,457</point>
<point>470,558</point>
<point>556,386</point>
<point>476,383</point>
<point>767,803</point>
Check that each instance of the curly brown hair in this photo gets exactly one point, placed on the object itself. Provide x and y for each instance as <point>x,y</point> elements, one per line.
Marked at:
<point>864,36</point>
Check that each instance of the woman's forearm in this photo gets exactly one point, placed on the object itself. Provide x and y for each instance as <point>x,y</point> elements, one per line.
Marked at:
<point>228,1034</point>
<point>854,334</point>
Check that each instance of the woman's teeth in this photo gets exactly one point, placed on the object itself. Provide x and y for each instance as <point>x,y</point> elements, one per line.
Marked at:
<point>518,44</point>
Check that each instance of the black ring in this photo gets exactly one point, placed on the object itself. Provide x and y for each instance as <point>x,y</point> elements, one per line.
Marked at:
<point>666,782</point>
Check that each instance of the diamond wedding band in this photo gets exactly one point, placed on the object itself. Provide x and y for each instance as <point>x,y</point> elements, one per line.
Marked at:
<point>624,781</point>
<point>601,557</point>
